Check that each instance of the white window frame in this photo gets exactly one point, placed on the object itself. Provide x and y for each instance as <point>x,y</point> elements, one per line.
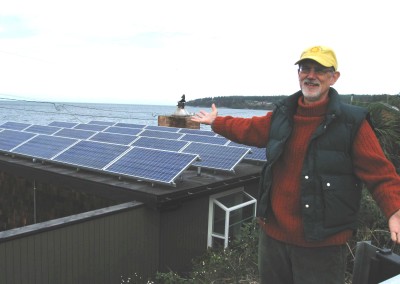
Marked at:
<point>214,200</point>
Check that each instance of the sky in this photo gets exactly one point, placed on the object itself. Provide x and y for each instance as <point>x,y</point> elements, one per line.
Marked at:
<point>154,51</point>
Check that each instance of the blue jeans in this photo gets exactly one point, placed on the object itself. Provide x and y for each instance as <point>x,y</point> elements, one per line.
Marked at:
<point>281,263</point>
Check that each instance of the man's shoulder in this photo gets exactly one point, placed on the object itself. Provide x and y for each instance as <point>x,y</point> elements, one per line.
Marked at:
<point>289,102</point>
<point>353,108</point>
<point>353,114</point>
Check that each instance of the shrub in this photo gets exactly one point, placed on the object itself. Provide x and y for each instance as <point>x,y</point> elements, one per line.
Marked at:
<point>235,264</point>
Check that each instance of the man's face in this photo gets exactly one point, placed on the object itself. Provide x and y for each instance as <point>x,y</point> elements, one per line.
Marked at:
<point>315,80</point>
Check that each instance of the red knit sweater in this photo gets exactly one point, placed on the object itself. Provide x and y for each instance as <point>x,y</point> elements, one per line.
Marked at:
<point>370,165</point>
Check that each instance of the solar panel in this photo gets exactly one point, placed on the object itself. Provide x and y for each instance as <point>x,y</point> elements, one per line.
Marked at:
<point>123,130</point>
<point>197,132</point>
<point>97,145</point>
<point>98,122</point>
<point>15,125</point>
<point>91,154</point>
<point>44,146</point>
<point>205,139</point>
<point>122,139</point>
<point>216,156</point>
<point>75,133</point>
<point>93,127</point>
<point>162,128</point>
<point>63,124</point>
<point>152,165</point>
<point>255,154</point>
<point>10,139</point>
<point>160,134</point>
<point>160,143</point>
<point>129,125</point>
<point>42,129</point>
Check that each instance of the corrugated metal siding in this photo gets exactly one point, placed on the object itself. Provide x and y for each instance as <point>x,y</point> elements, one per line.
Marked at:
<point>184,235</point>
<point>100,250</point>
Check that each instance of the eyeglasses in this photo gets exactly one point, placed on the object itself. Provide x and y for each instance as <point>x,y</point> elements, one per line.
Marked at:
<point>317,70</point>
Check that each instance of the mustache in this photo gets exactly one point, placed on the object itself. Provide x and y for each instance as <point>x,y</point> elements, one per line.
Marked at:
<point>311,81</point>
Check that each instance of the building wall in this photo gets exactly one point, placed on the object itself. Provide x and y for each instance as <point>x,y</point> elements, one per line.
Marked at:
<point>183,235</point>
<point>102,248</point>
<point>108,245</point>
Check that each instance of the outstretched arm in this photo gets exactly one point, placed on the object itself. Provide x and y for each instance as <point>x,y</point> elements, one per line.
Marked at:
<point>379,175</point>
<point>206,117</point>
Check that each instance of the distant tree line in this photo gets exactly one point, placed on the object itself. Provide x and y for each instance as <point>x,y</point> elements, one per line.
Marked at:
<point>267,102</point>
<point>238,102</point>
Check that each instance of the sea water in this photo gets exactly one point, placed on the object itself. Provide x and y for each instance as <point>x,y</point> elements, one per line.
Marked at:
<point>43,113</point>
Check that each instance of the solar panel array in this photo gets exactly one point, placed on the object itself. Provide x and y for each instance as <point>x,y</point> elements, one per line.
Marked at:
<point>157,154</point>
<point>160,143</point>
<point>255,154</point>
<point>123,130</point>
<point>152,164</point>
<point>116,138</point>
<point>75,133</point>
<point>216,156</point>
<point>205,139</point>
<point>91,155</point>
<point>63,124</point>
<point>42,129</point>
<point>9,139</point>
<point>15,125</point>
<point>44,146</point>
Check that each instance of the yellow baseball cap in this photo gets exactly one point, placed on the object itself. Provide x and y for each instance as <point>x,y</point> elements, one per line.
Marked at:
<point>322,54</point>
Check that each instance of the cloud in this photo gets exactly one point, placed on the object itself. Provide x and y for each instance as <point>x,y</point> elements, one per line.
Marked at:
<point>13,27</point>
<point>154,51</point>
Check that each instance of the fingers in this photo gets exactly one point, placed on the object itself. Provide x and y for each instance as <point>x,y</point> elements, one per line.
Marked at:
<point>205,117</point>
<point>394,227</point>
<point>196,118</point>
<point>201,117</point>
<point>395,237</point>
<point>203,113</point>
<point>214,109</point>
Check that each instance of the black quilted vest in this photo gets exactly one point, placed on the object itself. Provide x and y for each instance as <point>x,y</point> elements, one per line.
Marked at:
<point>330,192</point>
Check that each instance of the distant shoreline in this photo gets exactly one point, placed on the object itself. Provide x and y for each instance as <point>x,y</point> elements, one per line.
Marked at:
<point>267,102</point>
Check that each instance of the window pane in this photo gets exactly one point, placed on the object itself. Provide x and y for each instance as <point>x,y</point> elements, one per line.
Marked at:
<point>237,218</point>
<point>219,220</point>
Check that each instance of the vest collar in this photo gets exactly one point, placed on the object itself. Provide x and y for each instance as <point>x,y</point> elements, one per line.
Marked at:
<point>290,104</point>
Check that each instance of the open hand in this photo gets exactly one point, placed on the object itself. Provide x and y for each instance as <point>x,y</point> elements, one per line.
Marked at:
<point>206,117</point>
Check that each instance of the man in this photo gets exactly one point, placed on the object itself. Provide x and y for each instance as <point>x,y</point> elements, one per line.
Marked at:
<point>318,151</point>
